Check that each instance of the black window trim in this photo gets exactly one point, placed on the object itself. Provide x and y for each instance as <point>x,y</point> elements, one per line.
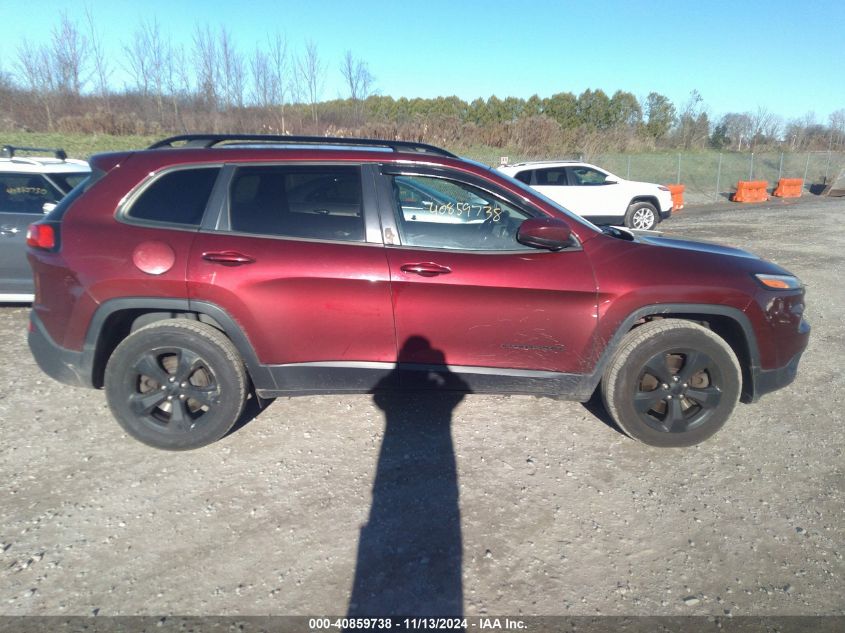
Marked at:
<point>121,214</point>
<point>388,218</point>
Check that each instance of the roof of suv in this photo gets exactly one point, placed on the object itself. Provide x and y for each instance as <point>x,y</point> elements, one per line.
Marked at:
<point>213,148</point>
<point>10,160</point>
<point>545,163</point>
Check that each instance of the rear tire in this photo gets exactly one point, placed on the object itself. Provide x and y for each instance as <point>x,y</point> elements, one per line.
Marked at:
<point>671,383</point>
<point>642,215</point>
<point>176,384</point>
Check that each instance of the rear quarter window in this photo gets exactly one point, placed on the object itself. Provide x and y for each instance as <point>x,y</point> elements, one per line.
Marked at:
<point>176,197</point>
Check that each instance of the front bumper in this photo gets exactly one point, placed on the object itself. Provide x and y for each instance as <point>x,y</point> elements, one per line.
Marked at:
<point>768,380</point>
<point>765,381</point>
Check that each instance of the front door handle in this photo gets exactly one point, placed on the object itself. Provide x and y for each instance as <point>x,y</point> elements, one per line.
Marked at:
<point>426,269</point>
<point>228,258</point>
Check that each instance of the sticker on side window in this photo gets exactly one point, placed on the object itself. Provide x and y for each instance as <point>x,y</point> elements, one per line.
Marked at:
<point>473,211</point>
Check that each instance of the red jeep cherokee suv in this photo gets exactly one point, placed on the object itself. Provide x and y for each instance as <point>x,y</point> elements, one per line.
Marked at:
<point>186,277</point>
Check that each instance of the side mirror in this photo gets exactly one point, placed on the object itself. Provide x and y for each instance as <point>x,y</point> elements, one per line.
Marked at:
<point>611,182</point>
<point>48,206</point>
<point>548,233</point>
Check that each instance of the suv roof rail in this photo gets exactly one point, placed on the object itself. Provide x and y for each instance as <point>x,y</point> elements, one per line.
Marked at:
<point>543,162</point>
<point>210,140</point>
<point>9,151</point>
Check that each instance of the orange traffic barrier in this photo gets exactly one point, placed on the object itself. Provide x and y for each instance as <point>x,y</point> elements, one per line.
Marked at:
<point>677,196</point>
<point>751,191</point>
<point>789,188</point>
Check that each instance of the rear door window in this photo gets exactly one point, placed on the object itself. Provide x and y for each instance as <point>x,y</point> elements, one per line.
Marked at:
<point>310,202</point>
<point>553,177</point>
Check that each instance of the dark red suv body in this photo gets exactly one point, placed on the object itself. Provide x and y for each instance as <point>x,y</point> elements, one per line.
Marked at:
<point>327,266</point>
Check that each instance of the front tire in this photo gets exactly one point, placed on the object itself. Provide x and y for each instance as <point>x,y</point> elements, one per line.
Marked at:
<point>671,383</point>
<point>176,384</point>
<point>642,215</point>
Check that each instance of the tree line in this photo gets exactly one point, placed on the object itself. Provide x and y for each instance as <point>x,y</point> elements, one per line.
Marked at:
<point>212,84</point>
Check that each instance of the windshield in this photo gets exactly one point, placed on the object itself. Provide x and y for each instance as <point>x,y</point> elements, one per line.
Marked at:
<point>537,194</point>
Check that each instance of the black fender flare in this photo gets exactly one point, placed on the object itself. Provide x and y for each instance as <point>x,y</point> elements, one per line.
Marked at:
<point>91,354</point>
<point>680,310</point>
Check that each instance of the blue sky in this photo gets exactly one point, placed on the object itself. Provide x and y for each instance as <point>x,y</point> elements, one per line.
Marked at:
<point>784,56</point>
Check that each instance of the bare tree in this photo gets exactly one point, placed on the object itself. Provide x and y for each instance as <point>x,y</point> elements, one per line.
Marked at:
<point>158,52</point>
<point>137,63</point>
<point>6,82</point>
<point>261,92</point>
<point>206,63</point>
<point>837,127</point>
<point>358,80</point>
<point>177,81</point>
<point>70,56</point>
<point>147,57</point>
<point>765,126</point>
<point>36,67</point>
<point>102,68</point>
<point>311,73</point>
<point>280,73</point>
<point>232,71</point>
<point>357,75</point>
<point>694,123</point>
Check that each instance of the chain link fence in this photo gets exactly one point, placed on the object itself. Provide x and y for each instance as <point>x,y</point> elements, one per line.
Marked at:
<point>708,176</point>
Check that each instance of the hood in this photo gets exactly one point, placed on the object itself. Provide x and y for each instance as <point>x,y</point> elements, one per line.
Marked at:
<point>644,185</point>
<point>690,245</point>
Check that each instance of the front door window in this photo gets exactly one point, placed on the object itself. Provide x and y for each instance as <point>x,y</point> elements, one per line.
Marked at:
<point>440,213</point>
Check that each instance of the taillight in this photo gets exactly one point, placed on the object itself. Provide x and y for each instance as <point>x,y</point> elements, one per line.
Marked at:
<point>41,236</point>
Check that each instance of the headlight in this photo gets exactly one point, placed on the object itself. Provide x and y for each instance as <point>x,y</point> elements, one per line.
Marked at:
<point>779,282</point>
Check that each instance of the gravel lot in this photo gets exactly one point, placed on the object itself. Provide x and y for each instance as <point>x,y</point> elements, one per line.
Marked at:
<point>483,505</point>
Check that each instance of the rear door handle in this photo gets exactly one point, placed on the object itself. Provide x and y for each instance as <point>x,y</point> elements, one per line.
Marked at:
<point>426,269</point>
<point>228,258</point>
<point>8,229</point>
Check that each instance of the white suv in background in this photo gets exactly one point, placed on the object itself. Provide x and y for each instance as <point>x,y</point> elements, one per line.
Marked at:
<point>27,184</point>
<point>596,194</point>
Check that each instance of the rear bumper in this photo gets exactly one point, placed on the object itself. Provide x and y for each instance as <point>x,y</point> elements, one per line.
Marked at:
<point>67,366</point>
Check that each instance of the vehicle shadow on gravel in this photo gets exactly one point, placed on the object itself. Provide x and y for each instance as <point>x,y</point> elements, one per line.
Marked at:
<point>595,405</point>
<point>253,407</point>
<point>410,551</point>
